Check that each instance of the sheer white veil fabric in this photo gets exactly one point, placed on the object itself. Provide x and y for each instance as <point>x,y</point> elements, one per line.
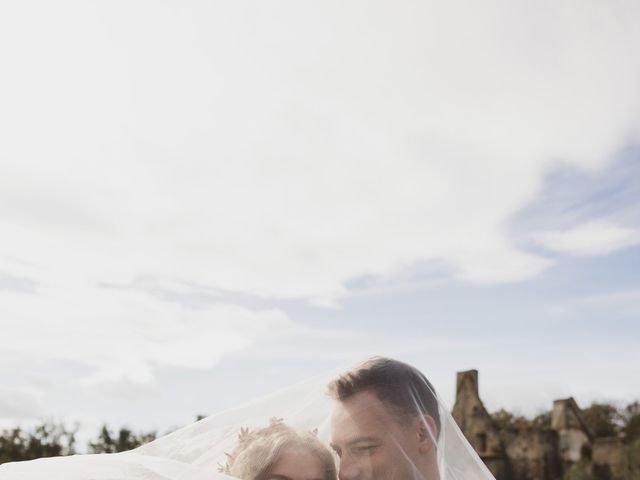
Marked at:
<point>197,451</point>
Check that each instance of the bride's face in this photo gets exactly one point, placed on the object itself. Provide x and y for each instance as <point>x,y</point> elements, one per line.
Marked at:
<point>297,464</point>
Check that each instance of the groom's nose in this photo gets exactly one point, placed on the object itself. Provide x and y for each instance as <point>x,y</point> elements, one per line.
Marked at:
<point>349,470</point>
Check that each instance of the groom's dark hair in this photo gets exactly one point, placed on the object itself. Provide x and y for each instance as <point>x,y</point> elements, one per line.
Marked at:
<point>401,387</point>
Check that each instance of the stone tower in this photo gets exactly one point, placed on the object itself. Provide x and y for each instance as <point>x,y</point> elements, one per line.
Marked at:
<point>475,422</point>
<point>574,435</point>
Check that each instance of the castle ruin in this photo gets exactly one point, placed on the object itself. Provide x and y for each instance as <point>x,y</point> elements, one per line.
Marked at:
<point>534,453</point>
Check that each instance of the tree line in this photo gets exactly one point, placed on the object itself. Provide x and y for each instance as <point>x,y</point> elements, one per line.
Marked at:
<point>51,439</point>
<point>604,419</point>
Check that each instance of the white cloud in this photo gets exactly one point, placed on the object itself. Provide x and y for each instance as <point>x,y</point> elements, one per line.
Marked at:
<point>596,237</point>
<point>280,151</point>
<point>123,335</point>
<point>20,403</point>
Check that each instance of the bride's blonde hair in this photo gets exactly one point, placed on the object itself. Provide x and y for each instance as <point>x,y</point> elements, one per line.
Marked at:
<point>258,450</point>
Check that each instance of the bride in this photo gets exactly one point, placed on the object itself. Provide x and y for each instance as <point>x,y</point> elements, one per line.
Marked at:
<point>382,419</point>
<point>278,452</point>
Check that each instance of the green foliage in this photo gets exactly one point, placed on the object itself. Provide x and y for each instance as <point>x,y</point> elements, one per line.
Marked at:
<point>46,440</point>
<point>579,471</point>
<point>52,440</point>
<point>542,420</point>
<point>631,428</point>
<point>604,419</point>
<point>502,419</point>
<point>120,441</point>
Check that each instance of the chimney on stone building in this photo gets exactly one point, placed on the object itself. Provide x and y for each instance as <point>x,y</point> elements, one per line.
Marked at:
<point>574,434</point>
<point>473,419</point>
<point>470,378</point>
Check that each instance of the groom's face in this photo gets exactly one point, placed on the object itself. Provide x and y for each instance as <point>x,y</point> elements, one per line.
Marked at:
<point>371,441</point>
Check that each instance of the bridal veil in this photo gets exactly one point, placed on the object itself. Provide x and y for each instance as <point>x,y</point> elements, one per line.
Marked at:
<point>201,451</point>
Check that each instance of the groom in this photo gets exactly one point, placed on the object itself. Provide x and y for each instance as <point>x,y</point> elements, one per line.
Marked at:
<point>385,423</point>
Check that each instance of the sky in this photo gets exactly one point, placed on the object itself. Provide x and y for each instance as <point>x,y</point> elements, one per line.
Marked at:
<point>204,202</point>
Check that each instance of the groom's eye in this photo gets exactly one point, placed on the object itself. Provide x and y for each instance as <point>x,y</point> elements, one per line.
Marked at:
<point>362,450</point>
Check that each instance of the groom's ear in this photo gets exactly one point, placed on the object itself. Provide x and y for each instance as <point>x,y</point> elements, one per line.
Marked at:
<point>427,433</point>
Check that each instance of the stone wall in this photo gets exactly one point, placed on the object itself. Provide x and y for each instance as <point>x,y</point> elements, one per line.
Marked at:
<point>535,453</point>
<point>609,457</point>
<point>532,454</point>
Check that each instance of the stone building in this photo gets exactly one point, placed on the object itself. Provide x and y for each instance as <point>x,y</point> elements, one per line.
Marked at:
<point>574,435</point>
<point>534,453</point>
<point>609,458</point>
<point>472,417</point>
